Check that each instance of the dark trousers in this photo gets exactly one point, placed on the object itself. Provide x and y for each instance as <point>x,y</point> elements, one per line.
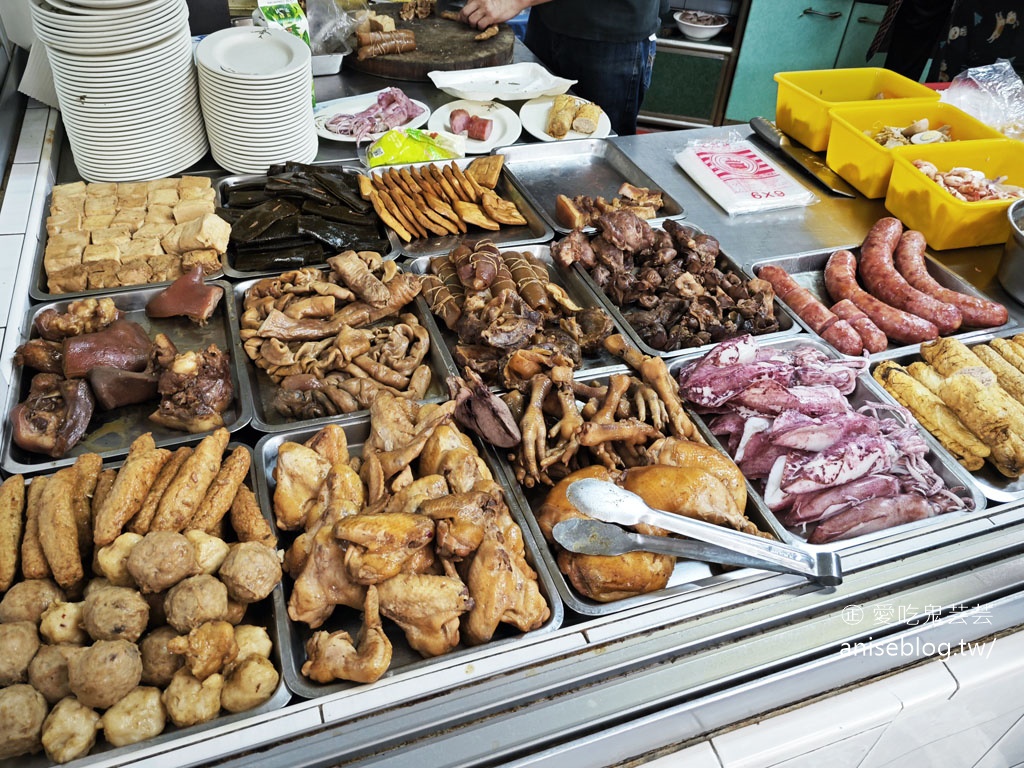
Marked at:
<point>614,75</point>
<point>915,35</point>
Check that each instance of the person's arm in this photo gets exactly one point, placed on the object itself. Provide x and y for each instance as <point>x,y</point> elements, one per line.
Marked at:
<point>483,13</point>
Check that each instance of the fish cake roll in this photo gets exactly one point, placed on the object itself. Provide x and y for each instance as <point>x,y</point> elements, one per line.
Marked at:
<point>12,507</point>
<point>183,496</point>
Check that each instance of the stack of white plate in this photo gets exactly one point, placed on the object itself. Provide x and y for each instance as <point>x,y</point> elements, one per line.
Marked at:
<point>125,83</point>
<point>256,91</point>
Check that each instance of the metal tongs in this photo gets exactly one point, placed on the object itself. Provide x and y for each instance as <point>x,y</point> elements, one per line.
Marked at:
<point>607,502</point>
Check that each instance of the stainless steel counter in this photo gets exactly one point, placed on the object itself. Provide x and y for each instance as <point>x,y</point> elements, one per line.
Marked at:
<point>607,690</point>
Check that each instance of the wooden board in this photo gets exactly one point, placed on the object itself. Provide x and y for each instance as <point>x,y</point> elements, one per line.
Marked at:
<point>440,45</point>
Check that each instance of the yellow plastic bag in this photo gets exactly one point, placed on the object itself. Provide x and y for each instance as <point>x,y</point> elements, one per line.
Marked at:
<point>412,145</point>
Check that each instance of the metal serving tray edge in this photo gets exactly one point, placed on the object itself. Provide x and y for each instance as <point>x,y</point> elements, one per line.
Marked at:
<point>536,230</point>
<point>356,431</point>
<point>867,389</point>
<point>224,183</point>
<point>570,281</point>
<point>594,167</point>
<point>106,754</point>
<point>808,270</point>
<point>263,419</point>
<point>789,324</point>
<point>995,486</point>
<point>185,334</point>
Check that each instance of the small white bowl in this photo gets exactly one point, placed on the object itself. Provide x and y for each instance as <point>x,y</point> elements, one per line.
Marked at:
<point>698,25</point>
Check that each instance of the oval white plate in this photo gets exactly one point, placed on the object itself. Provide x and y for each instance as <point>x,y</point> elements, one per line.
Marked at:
<point>510,82</point>
<point>534,115</point>
<point>354,105</point>
<point>506,128</point>
<point>253,53</point>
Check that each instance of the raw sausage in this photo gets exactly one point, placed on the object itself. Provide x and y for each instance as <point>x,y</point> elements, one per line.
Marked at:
<point>977,312</point>
<point>883,281</point>
<point>841,283</point>
<point>870,334</point>
<point>834,330</point>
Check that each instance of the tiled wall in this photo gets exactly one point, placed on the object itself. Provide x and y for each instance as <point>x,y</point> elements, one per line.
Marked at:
<point>964,711</point>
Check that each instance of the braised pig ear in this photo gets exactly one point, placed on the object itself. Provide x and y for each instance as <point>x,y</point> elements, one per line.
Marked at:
<point>187,296</point>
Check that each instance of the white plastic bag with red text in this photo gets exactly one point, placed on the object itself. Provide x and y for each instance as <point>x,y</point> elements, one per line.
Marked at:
<point>740,178</point>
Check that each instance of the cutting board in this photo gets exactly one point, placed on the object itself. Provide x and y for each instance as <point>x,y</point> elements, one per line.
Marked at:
<point>441,44</point>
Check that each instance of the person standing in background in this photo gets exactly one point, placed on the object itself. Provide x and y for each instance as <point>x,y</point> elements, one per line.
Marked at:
<point>607,46</point>
<point>910,32</point>
<point>980,32</point>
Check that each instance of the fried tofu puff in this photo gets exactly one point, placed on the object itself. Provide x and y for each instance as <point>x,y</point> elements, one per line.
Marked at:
<point>189,701</point>
<point>61,624</point>
<point>22,712</point>
<point>207,649</point>
<point>112,560</point>
<point>252,641</point>
<point>105,672</point>
<point>20,641</point>
<point>210,550</point>
<point>69,731</point>
<point>250,684</point>
<point>27,600</point>
<point>138,716</point>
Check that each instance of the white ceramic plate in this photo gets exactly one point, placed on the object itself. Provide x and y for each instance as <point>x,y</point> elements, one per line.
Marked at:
<point>505,130</point>
<point>510,82</point>
<point>114,62</point>
<point>253,53</point>
<point>88,45</point>
<point>534,115</point>
<point>103,10</point>
<point>353,105</point>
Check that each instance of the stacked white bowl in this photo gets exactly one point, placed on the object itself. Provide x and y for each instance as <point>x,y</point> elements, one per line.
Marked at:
<point>256,91</point>
<point>126,85</point>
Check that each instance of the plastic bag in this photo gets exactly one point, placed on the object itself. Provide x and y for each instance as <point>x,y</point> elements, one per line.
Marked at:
<point>332,23</point>
<point>288,16</point>
<point>412,145</point>
<point>740,178</point>
<point>993,93</point>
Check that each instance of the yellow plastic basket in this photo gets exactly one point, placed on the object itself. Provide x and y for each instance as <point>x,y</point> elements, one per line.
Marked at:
<point>805,98</point>
<point>946,222</point>
<point>865,163</point>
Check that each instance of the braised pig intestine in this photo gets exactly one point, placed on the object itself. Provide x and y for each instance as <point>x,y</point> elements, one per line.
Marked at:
<point>668,283</point>
<point>314,332</point>
<point>512,322</point>
<point>785,418</point>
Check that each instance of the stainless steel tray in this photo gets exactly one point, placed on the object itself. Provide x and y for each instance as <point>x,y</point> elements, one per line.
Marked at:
<point>404,659</point>
<point>224,184</point>
<point>111,433</point>
<point>261,614</point>
<point>808,270</point>
<point>867,390</point>
<point>536,229</point>
<point>593,167</point>
<point>788,324</point>
<point>688,577</point>
<point>266,419</point>
<point>568,280</point>
<point>994,485</point>
<point>39,291</point>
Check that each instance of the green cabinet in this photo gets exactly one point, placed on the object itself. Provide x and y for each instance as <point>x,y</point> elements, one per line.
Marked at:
<point>782,36</point>
<point>686,86</point>
<point>860,31</point>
